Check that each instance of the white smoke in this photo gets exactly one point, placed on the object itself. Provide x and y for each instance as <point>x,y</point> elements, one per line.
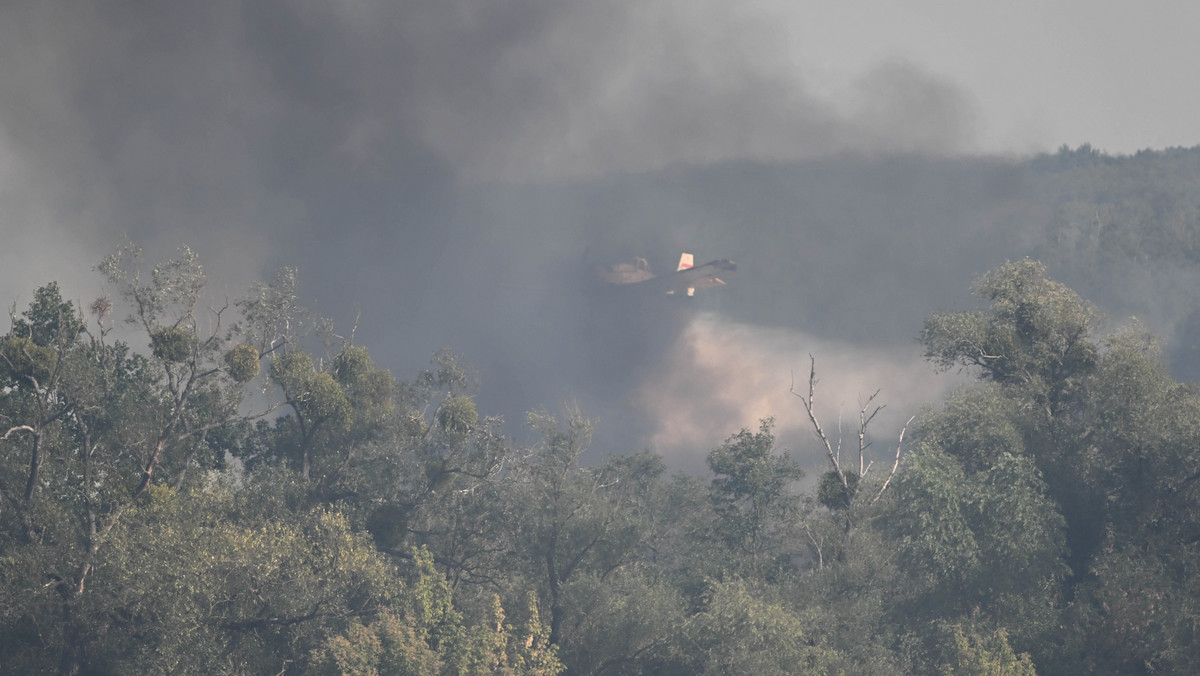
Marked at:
<point>723,376</point>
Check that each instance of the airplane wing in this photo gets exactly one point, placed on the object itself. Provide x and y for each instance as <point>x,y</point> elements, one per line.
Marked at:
<point>688,278</point>
<point>625,273</point>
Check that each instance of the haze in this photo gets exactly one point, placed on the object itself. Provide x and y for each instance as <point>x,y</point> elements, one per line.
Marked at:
<point>454,168</point>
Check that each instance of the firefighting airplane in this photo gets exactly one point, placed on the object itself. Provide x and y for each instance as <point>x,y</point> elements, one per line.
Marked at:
<point>686,278</point>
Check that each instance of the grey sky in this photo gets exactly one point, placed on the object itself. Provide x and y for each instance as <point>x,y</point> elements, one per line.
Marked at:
<point>1040,73</point>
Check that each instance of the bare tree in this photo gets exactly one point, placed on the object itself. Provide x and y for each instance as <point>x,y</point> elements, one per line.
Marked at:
<point>848,477</point>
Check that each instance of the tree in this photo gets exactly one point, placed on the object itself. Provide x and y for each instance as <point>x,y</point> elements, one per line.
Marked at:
<point>986,547</point>
<point>114,424</point>
<point>437,477</point>
<point>990,655</point>
<point>751,494</point>
<point>194,579</point>
<point>569,521</point>
<point>1034,336</point>
<point>1034,341</point>
<point>740,633</point>
<point>426,635</point>
<point>317,401</point>
<point>839,486</point>
<point>1094,430</point>
<point>1137,607</point>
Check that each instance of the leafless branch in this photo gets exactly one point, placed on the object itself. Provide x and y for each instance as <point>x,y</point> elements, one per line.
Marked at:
<point>840,436</point>
<point>18,428</point>
<point>807,402</point>
<point>864,420</point>
<point>816,545</point>
<point>896,464</point>
<point>214,335</point>
<point>354,329</point>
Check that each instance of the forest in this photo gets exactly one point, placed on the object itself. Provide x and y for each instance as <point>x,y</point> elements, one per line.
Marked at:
<point>236,487</point>
<point>378,416</point>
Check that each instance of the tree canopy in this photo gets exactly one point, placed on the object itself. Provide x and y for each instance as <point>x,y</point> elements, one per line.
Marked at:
<point>156,517</point>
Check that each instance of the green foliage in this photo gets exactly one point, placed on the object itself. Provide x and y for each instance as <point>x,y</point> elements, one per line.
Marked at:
<point>430,603</point>
<point>990,655</point>
<point>1036,347</point>
<point>832,494</point>
<point>355,654</point>
<point>49,321</point>
<point>291,370</point>
<point>174,287</point>
<point>272,313</point>
<point>375,391</point>
<point>751,492</point>
<point>992,540</point>
<point>569,523</point>
<point>534,654</point>
<point>171,343</point>
<point>1095,432</point>
<point>324,399</point>
<point>242,363</point>
<point>932,519</point>
<point>456,416</point>
<point>387,645</point>
<point>1135,611</point>
<point>30,351</point>
<point>977,426</point>
<point>852,604</point>
<point>1034,335</point>
<point>351,365</point>
<point>626,618</point>
<point>24,360</point>
<point>1048,514</point>
<point>739,633</point>
<point>427,645</point>
<point>186,583</point>
<point>315,395</point>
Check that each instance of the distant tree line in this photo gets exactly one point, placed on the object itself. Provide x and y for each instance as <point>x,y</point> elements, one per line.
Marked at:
<point>240,490</point>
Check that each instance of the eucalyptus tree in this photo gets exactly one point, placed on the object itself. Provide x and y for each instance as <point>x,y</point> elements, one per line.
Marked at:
<point>572,525</point>
<point>96,425</point>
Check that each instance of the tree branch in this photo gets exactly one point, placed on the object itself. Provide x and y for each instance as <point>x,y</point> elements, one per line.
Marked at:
<point>896,464</point>
<point>18,428</point>
<point>812,416</point>
<point>864,421</point>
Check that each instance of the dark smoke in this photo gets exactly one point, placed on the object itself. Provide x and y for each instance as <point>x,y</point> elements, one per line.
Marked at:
<point>455,169</point>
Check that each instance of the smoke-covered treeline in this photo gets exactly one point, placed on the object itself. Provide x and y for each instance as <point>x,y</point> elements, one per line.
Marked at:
<point>838,257</point>
<point>241,488</point>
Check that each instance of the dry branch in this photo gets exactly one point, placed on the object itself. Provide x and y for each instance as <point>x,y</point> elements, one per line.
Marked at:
<point>866,415</point>
<point>896,464</point>
<point>807,402</point>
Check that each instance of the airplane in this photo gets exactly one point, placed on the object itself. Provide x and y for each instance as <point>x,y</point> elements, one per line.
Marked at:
<point>686,278</point>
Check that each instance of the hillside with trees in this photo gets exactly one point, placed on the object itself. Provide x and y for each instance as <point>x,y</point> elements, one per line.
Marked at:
<point>240,489</point>
<point>853,249</point>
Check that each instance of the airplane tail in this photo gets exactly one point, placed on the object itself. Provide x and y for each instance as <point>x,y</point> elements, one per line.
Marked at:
<point>686,261</point>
